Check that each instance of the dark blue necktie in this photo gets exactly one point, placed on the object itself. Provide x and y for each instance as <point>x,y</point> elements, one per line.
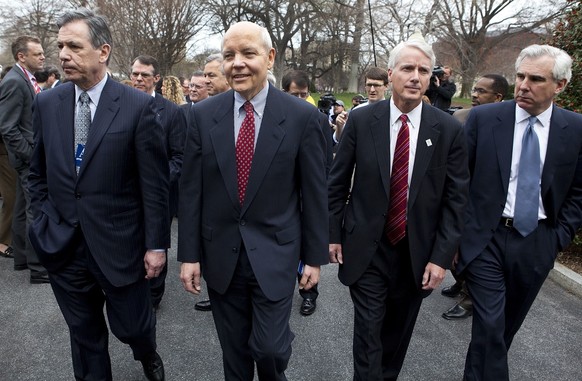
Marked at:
<point>525,215</point>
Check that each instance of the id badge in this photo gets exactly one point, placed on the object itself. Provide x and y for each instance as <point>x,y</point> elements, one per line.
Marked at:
<point>79,152</point>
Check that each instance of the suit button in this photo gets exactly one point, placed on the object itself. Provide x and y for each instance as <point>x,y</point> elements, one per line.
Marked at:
<point>376,242</point>
<point>78,196</point>
<point>234,250</point>
<point>243,222</point>
<point>384,214</point>
<point>76,224</point>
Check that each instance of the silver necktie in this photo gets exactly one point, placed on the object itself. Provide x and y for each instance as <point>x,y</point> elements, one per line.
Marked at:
<point>82,123</point>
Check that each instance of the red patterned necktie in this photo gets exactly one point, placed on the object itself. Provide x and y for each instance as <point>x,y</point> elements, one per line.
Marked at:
<point>396,222</point>
<point>37,88</point>
<point>32,79</point>
<point>245,147</point>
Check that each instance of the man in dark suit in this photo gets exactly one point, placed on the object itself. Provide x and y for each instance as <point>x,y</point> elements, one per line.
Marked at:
<point>397,226</point>
<point>101,207</point>
<point>17,91</point>
<point>144,76</point>
<point>525,158</point>
<point>253,203</point>
<point>489,88</point>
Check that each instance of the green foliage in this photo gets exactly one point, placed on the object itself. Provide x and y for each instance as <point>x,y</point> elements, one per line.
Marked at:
<point>568,36</point>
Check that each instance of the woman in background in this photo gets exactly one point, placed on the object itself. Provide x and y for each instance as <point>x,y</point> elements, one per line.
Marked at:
<point>172,90</point>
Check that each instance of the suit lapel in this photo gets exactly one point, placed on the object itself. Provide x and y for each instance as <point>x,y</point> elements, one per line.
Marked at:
<point>502,129</point>
<point>222,138</point>
<point>270,137</point>
<point>106,110</point>
<point>66,106</point>
<point>24,77</point>
<point>380,129</point>
<point>557,140</point>
<point>428,136</point>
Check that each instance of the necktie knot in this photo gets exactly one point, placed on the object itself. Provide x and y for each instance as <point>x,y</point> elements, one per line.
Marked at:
<point>531,122</point>
<point>84,98</point>
<point>248,107</point>
<point>403,118</point>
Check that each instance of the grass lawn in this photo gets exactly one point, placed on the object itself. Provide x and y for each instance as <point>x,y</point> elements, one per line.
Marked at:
<point>347,99</point>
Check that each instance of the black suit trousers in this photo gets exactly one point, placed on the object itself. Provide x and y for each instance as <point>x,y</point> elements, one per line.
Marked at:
<point>386,305</point>
<point>24,254</point>
<point>504,281</point>
<point>81,290</point>
<point>251,328</point>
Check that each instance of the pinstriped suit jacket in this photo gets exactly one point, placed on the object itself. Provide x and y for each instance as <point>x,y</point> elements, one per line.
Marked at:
<point>119,199</point>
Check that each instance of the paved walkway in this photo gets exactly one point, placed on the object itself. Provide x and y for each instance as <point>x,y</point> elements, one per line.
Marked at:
<point>34,343</point>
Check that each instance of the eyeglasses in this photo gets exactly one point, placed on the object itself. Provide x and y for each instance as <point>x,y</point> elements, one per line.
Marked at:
<point>375,85</point>
<point>479,90</point>
<point>135,75</point>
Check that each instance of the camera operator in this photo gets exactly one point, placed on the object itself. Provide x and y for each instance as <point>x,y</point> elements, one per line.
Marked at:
<point>442,88</point>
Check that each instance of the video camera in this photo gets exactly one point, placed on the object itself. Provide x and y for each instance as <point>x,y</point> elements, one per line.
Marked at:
<point>325,103</point>
<point>437,72</point>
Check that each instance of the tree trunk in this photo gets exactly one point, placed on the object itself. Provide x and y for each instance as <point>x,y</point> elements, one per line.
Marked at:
<point>354,74</point>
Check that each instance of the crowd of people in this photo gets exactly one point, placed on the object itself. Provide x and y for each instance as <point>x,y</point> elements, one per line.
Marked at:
<point>268,189</point>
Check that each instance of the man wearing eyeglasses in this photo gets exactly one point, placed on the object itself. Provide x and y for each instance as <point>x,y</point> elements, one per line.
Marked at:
<point>376,86</point>
<point>198,88</point>
<point>144,76</point>
<point>490,88</point>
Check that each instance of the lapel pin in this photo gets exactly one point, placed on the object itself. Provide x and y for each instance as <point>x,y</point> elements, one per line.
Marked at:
<point>428,143</point>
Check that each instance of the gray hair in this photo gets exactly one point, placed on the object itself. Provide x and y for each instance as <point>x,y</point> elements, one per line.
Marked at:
<point>267,43</point>
<point>216,57</point>
<point>562,61</point>
<point>98,30</point>
<point>420,45</point>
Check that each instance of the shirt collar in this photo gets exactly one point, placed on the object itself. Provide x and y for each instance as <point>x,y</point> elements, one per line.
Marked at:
<point>413,116</point>
<point>259,101</point>
<point>543,118</point>
<point>94,92</point>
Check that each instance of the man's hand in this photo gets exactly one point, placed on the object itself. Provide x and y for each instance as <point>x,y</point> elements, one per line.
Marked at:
<point>433,276</point>
<point>340,122</point>
<point>335,253</point>
<point>190,277</point>
<point>310,277</point>
<point>154,263</point>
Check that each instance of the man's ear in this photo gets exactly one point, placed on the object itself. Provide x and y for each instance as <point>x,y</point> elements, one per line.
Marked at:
<point>105,50</point>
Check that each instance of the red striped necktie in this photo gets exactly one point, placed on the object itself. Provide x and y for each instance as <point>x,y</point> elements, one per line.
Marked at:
<point>396,221</point>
